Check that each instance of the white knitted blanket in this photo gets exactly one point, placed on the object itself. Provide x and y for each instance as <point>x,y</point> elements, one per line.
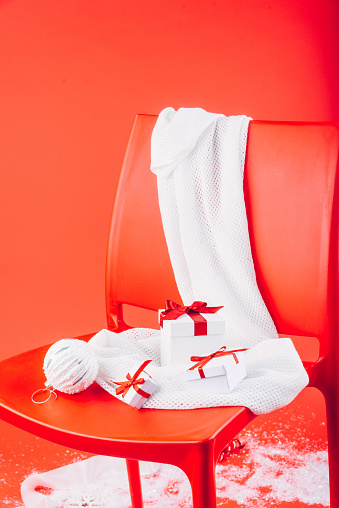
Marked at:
<point>198,158</point>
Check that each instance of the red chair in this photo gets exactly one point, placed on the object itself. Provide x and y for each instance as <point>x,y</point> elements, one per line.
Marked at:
<point>292,204</point>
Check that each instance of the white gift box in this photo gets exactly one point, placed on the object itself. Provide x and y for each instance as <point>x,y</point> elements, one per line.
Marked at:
<point>134,396</point>
<point>222,374</point>
<point>178,342</point>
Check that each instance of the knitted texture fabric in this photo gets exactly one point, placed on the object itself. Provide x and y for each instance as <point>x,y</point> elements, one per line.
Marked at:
<point>198,158</point>
<point>275,374</point>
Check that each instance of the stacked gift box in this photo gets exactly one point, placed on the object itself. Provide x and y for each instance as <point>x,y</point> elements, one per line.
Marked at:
<point>195,333</point>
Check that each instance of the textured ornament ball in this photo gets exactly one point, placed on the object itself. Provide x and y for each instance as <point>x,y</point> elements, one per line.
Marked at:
<point>70,366</point>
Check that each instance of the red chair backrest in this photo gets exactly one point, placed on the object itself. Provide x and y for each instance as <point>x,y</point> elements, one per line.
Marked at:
<point>291,199</point>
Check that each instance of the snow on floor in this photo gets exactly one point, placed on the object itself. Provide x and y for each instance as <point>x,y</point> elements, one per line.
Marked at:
<point>261,476</point>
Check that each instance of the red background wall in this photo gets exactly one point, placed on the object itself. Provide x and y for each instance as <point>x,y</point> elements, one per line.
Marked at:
<point>73,74</point>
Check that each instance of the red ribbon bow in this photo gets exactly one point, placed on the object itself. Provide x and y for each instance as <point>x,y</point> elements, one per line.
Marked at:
<point>203,360</point>
<point>133,381</point>
<point>174,310</point>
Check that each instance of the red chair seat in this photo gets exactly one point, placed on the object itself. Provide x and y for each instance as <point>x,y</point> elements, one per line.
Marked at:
<point>72,419</point>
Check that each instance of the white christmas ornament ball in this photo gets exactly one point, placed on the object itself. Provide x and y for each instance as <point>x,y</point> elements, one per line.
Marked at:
<point>70,366</point>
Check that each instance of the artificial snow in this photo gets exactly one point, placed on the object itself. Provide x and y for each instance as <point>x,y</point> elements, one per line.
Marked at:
<point>261,475</point>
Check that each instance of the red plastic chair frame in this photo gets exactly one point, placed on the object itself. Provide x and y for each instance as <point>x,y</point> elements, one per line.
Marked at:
<point>291,195</point>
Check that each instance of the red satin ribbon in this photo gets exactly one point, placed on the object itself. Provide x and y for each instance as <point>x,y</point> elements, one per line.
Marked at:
<point>133,381</point>
<point>174,310</point>
<point>203,360</point>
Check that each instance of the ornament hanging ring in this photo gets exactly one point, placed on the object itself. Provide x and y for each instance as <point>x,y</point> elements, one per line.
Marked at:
<point>43,390</point>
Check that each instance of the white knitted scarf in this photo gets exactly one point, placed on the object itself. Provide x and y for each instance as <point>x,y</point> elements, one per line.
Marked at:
<point>198,158</point>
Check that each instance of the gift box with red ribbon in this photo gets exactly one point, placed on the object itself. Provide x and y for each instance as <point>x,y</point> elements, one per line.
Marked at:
<point>218,372</point>
<point>189,330</point>
<point>137,387</point>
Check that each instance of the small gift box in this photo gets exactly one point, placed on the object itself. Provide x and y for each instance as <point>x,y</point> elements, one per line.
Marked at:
<point>219,372</point>
<point>138,386</point>
<point>187,331</point>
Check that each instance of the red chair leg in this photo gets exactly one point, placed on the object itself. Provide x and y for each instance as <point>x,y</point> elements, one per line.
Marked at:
<point>332,417</point>
<point>202,480</point>
<point>134,483</point>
